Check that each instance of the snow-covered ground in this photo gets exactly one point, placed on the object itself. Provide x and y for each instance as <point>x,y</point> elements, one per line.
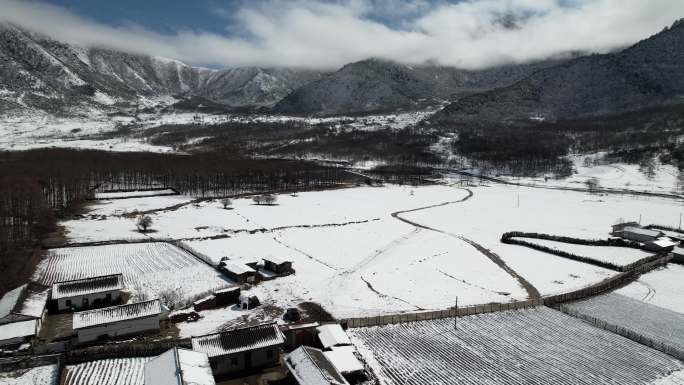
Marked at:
<point>663,287</point>
<point>354,258</point>
<point>497,209</point>
<point>613,176</point>
<point>149,269</point>
<point>132,205</point>
<point>617,255</point>
<point>41,375</point>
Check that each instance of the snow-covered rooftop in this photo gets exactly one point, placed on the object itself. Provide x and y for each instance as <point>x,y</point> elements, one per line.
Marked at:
<point>119,313</point>
<point>332,335</point>
<point>34,304</point>
<point>678,250</point>
<point>309,366</point>
<point>179,366</point>
<point>663,242</point>
<point>17,329</point>
<point>276,260</point>
<point>239,268</point>
<point>9,301</point>
<point>239,340</point>
<point>85,286</point>
<point>639,230</point>
<point>343,358</point>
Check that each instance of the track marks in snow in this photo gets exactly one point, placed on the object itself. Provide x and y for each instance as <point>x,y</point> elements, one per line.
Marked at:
<point>382,295</point>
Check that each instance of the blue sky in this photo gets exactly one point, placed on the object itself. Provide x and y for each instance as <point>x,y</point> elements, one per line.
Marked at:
<point>326,34</point>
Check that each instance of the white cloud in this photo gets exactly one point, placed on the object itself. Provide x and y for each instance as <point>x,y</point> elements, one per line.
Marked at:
<point>318,34</point>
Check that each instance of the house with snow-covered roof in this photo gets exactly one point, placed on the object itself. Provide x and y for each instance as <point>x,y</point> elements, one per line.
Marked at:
<point>116,321</point>
<point>660,245</point>
<point>277,265</point>
<point>309,366</point>
<point>242,349</point>
<point>88,292</point>
<point>640,234</point>
<point>179,366</point>
<point>238,272</point>
<point>22,312</point>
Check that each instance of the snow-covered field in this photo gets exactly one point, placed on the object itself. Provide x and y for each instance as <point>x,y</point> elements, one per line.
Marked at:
<point>354,258</point>
<point>496,209</point>
<point>133,205</point>
<point>617,255</point>
<point>116,371</point>
<point>149,269</point>
<point>663,287</point>
<point>658,324</point>
<point>41,375</point>
<point>534,346</point>
<point>613,176</point>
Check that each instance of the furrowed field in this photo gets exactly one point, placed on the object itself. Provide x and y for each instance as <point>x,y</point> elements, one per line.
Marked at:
<point>534,346</point>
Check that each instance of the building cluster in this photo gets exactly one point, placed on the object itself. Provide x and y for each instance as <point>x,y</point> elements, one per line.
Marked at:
<point>651,239</point>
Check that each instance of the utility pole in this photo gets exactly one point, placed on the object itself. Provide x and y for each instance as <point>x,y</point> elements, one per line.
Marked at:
<point>456,315</point>
<point>680,221</point>
<point>639,218</point>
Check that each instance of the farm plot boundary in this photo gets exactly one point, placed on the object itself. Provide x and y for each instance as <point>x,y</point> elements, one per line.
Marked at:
<point>509,238</point>
<point>551,301</point>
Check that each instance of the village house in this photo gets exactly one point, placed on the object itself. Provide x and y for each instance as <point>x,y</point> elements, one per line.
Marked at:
<point>241,350</point>
<point>116,321</point>
<point>309,366</point>
<point>345,361</point>
<point>14,334</point>
<point>239,272</point>
<point>22,312</point>
<point>277,265</point>
<point>299,334</point>
<point>179,366</point>
<point>660,245</point>
<point>88,292</point>
<point>619,227</point>
<point>640,235</point>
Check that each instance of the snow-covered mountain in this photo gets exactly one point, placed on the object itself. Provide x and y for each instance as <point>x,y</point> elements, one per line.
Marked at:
<point>38,73</point>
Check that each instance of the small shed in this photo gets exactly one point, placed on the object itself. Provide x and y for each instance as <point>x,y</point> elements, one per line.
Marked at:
<point>17,333</point>
<point>239,272</point>
<point>179,367</point>
<point>242,349</point>
<point>640,235</point>
<point>229,296</point>
<point>299,334</point>
<point>309,366</point>
<point>86,293</point>
<point>332,335</point>
<point>116,321</point>
<point>345,361</point>
<point>660,245</point>
<point>277,265</point>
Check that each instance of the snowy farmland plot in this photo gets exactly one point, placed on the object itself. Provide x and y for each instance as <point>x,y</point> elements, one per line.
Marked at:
<point>533,346</point>
<point>662,288</point>
<point>134,194</point>
<point>664,326</point>
<point>619,256</point>
<point>149,269</point>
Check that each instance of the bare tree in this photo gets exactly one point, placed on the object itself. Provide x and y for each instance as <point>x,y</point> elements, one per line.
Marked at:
<point>269,199</point>
<point>144,223</point>
<point>593,185</point>
<point>226,202</point>
<point>258,199</point>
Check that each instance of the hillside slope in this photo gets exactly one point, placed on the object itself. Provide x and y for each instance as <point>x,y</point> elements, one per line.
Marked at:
<point>645,75</point>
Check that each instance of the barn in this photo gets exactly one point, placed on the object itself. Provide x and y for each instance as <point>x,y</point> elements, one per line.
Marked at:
<point>309,366</point>
<point>241,350</point>
<point>640,235</point>
<point>88,292</point>
<point>116,321</point>
<point>179,366</point>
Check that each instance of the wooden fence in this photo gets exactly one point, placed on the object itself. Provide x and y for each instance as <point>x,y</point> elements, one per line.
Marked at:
<point>438,314</point>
